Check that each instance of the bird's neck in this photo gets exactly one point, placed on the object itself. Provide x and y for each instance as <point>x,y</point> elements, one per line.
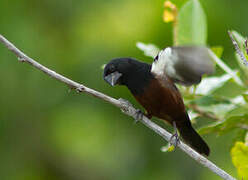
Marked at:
<point>139,78</point>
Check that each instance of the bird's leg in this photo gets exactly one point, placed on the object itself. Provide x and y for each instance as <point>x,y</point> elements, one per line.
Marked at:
<point>174,135</point>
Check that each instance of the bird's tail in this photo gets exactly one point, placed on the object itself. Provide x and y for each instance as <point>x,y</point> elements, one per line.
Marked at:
<point>192,138</point>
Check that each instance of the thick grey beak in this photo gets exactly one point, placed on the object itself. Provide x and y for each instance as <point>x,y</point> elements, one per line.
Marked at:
<point>113,78</point>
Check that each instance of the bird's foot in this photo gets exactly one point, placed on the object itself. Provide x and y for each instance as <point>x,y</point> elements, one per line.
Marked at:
<point>174,140</point>
<point>138,116</point>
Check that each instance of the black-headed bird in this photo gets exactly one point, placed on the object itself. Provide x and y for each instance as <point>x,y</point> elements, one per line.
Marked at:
<point>153,85</point>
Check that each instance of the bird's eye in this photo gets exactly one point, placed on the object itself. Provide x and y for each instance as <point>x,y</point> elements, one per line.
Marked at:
<point>112,68</point>
<point>156,58</point>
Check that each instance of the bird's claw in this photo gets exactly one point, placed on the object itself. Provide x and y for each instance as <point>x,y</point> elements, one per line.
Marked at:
<point>80,89</point>
<point>138,115</point>
<point>175,135</point>
<point>174,140</point>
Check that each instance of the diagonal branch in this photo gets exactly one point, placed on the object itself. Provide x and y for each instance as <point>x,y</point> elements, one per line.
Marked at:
<point>238,50</point>
<point>126,107</point>
<point>246,46</point>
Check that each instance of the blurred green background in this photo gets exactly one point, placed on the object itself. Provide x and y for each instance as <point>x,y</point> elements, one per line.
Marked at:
<point>48,132</point>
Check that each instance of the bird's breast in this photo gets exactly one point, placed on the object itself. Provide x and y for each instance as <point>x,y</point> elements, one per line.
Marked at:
<point>162,99</point>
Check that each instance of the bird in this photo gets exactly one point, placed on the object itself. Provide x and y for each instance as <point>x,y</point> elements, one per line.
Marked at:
<point>153,85</point>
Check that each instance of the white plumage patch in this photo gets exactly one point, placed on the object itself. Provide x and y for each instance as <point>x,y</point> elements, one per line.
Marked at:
<point>183,64</point>
<point>165,63</point>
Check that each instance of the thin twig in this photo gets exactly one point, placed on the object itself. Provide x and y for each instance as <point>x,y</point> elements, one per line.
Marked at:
<point>246,46</point>
<point>238,50</point>
<point>225,67</point>
<point>126,107</point>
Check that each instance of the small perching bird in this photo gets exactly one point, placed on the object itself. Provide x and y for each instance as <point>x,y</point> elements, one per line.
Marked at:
<point>153,85</point>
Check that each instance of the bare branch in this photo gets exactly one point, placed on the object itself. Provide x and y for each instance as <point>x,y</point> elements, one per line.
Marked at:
<point>126,107</point>
<point>238,50</point>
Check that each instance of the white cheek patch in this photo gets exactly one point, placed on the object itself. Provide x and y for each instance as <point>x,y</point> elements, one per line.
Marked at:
<point>165,63</point>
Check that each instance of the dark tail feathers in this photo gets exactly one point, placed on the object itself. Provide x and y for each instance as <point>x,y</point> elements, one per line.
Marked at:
<point>192,138</point>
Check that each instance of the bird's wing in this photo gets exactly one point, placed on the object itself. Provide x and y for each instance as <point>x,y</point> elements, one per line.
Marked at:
<point>184,64</point>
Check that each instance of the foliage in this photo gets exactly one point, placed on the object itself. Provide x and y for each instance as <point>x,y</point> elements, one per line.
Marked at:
<point>49,132</point>
<point>241,43</point>
<point>239,154</point>
<point>191,26</point>
<point>230,109</point>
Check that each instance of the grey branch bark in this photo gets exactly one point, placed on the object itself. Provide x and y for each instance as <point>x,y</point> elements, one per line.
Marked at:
<point>126,107</point>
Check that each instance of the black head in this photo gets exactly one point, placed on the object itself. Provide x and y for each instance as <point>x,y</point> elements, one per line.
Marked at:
<point>116,71</point>
<point>127,71</point>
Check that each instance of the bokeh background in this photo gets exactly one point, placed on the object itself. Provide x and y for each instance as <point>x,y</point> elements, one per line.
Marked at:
<point>49,132</point>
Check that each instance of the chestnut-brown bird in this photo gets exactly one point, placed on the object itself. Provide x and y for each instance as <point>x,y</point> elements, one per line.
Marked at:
<point>153,85</point>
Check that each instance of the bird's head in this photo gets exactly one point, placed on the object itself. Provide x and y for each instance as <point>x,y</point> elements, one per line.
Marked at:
<point>117,71</point>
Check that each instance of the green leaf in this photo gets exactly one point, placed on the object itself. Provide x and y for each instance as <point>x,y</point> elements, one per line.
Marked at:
<point>226,125</point>
<point>246,139</point>
<point>240,111</point>
<point>208,85</point>
<point>224,86</point>
<point>225,67</point>
<point>245,96</point>
<point>218,50</point>
<point>239,154</point>
<point>209,100</point>
<point>191,27</point>
<point>229,89</point>
<point>180,3</point>
<point>220,110</point>
<point>150,50</point>
<point>240,136</point>
<point>192,116</point>
<point>240,40</point>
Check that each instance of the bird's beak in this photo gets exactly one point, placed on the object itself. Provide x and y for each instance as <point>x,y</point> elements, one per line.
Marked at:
<point>113,78</point>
